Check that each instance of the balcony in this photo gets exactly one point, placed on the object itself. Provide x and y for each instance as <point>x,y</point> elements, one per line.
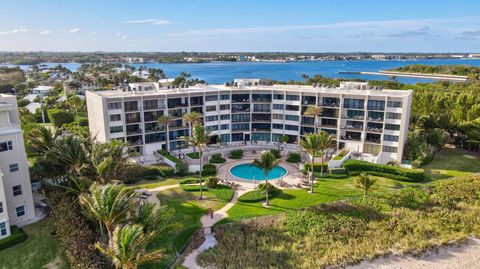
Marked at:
<point>240,108</point>
<point>352,136</point>
<point>353,127</point>
<point>374,129</point>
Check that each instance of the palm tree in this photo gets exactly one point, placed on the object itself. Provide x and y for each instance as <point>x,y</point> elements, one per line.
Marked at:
<point>325,142</point>
<point>39,140</point>
<point>199,139</point>
<point>165,120</point>
<point>315,112</point>
<point>266,162</point>
<point>127,247</point>
<point>109,204</point>
<point>192,118</point>
<point>311,144</point>
<point>364,183</point>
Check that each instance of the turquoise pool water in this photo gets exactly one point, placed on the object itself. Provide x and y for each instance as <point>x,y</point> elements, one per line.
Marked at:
<point>248,172</point>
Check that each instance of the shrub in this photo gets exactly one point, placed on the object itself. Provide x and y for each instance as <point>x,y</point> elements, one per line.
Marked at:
<point>294,157</point>
<point>341,154</point>
<point>209,170</point>
<point>193,188</point>
<point>217,158</point>
<point>257,196</point>
<point>165,170</point>
<point>332,176</point>
<point>130,172</point>
<point>82,121</point>
<point>409,197</point>
<point>461,189</point>
<point>316,167</point>
<point>236,154</point>
<point>194,155</point>
<point>339,170</point>
<point>16,236</point>
<point>60,117</point>
<point>182,169</point>
<point>212,182</point>
<point>276,153</point>
<point>355,165</point>
<point>387,175</point>
<point>267,186</point>
<point>23,102</point>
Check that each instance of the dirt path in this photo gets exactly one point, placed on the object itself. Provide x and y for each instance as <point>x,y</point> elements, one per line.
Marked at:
<point>464,256</point>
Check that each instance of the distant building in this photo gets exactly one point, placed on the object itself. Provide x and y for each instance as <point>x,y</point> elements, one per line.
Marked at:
<point>16,200</point>
<point>41,90</point>
<point>363,119</point>
<point>132,60</point>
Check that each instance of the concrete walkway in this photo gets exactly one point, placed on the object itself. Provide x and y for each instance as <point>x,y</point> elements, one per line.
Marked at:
<point>207,223</point>
<point>153,198</point>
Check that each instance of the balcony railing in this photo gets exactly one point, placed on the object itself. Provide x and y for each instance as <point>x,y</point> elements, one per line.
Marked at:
<point>374,129</point>
<point>349,137</point>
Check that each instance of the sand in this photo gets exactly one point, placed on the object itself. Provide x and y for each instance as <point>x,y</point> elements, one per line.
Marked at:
<point>463,256</point>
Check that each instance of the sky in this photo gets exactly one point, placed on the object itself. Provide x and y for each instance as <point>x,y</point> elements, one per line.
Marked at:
<point>240,25</point>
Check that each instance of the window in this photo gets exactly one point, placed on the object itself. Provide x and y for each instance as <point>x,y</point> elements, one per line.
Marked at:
<point>278,96</point>
<point>389,149</point>
<point>116,105</point>
<point>115,117</point>
<point>277,126</point>
<point>241,118</point>
<point>17,190</point>
<point>131,106</point>
<point>13,167</point>
<point>224,107</point>
<point>396,104</point>
<point>5,146</point>
<point>211,128</point>
<point>211,118</point>
<point>393,127</point>
<point>211,98</point>
<point>224,127</point>
<point>20,211</point>
<point>240,126</point>
<point>293,97</point>
<point>211,108</point>
<point>225,97</point>
<point>395,116</point>
<point>1,207</point>
<point>225,137</point>
<point>292,108</point>
<point>261,107</point>
<point>150,104</point>
<point>277,116</point>
<point>291,127</point>
<point>393,138</point>
<point>376,105</point>
<point>278,106</point>
<point>116,129</point>
<point>353,103</point>
<point>3,229</point>
<point>225,117</point>
<point>292,117</point>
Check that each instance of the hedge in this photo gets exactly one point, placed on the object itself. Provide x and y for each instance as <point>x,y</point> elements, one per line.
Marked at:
<point>169,156</point>
<point>332,176</point>
<point>60,117</point>
<point>294,158</point>
<point>316,167</point>
<point>194,155</point>
<point>16,236</point>
<point>276,153</point>
<point>411,174</point>
<point>339,170</point>
<point>165,170</point>
<point>217,158</point>
<point>209,170</point>
<point>236,154</point>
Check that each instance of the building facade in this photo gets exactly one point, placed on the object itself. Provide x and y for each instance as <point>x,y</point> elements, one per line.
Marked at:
<point>16,200</point>
<point>362,119</point>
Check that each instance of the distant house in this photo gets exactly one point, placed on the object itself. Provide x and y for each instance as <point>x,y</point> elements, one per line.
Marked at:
<point>41,90</point>
<point>31,97</point>
<point>141,74</point>
<point>165,82</point>
<point>32,107</point>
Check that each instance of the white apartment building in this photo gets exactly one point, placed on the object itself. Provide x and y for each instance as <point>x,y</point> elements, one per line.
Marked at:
<point>16,201</point>
<point>362,119</point>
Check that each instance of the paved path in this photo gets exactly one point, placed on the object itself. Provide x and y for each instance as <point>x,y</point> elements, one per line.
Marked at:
<point>207,222</point>
<point>153,198</point>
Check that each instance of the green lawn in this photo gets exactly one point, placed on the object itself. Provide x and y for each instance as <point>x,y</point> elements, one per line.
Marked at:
<point>41,250</point>
<point>452,163</point>
<point>150,184</point>
<point>326,190</point>
<point>188,211</point>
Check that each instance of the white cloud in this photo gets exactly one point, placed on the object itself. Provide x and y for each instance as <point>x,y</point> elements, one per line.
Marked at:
<point>150,21</point>
<point>46,32</point>
<point>15,31</point>
<point>74,30</point>
<point>122,36</point>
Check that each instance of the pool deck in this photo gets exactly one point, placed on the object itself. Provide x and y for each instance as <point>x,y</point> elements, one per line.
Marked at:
<point>292,178</point>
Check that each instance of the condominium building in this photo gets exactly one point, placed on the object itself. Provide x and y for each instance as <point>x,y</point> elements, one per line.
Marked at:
<point>362,119</point>
<point>16,201</point>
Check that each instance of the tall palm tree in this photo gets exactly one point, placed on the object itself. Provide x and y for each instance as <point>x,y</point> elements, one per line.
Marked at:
<point>364,183</point>
<point>311,144</point>
<point>109,204</point>
<point>165,120</point>
<point>127,247</point>
<point>199,139</point>
<point>266,162</point>
<point>39,140</point>
<point>192,118</point>
<point>315,112</point>
<point>325,142</point>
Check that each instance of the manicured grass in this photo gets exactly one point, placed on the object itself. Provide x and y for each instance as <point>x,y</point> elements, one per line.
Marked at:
<point>188,211</point>
<point>194,155</point>
<point>150,184</point>
<point>326,190</point>
<point>452,163</point>
<point>40,250</point>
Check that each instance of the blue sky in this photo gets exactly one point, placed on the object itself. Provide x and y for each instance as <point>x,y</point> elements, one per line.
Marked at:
<point>241,25</point>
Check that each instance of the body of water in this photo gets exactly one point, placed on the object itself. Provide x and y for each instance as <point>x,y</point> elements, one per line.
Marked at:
<point>219,73</point>
<point>249,172</point>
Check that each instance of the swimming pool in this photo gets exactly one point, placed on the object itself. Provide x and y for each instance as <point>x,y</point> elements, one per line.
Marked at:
<point>248,171</point>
